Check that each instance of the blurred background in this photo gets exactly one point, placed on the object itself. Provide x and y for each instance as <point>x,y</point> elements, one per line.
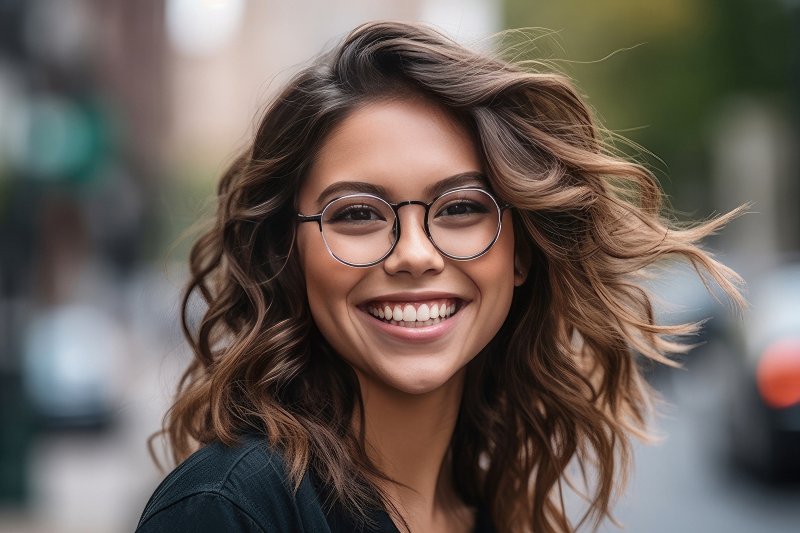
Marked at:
<point>117,117</point>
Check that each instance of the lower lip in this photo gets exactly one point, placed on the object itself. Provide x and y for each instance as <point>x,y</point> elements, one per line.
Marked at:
<point>417,334</point>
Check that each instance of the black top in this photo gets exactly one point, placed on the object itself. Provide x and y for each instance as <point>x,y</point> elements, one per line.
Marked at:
<point>245,488</point>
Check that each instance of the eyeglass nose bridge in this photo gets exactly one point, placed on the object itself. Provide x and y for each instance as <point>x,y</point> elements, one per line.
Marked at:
<point>397,226</point>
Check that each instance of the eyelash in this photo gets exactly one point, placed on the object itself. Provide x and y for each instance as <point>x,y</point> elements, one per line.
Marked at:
<point>475,207</point>
<point>349,210</point>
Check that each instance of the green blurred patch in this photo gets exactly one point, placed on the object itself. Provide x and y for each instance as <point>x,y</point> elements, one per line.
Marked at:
<point>658,72</point>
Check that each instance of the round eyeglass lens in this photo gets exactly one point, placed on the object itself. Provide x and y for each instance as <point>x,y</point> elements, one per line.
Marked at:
<point>464,223</point>
<point>358,229</point>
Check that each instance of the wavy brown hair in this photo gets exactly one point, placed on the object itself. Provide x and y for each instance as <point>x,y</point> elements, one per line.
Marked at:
<point>559,383</point>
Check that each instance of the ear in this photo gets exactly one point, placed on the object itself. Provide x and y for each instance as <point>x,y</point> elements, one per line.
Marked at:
<point>522,264</point>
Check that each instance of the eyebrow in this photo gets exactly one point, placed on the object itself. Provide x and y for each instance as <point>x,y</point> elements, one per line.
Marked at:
<point>433,190</point>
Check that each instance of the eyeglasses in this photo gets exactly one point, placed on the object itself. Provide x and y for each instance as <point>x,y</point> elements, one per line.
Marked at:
<point>361,230</point>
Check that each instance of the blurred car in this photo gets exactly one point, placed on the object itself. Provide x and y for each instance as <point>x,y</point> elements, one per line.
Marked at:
<point>765,399</point>
<point>71,365</point>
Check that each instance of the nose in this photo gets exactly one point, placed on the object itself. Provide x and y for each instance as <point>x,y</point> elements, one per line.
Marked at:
<point>414,253</point>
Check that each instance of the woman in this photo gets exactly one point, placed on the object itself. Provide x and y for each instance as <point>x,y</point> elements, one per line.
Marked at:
<point>422,304</point>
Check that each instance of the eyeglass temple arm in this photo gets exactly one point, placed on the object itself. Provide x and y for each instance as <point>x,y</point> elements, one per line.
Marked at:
<point>310,218</point>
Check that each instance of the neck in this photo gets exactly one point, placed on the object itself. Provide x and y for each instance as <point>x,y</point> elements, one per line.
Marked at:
<point>408,438</point>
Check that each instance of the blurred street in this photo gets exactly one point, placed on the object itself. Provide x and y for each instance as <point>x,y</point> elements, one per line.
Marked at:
<point>98,479</point>
<point>117,117</point>
<point>86,482</point>
<point>687,482</point>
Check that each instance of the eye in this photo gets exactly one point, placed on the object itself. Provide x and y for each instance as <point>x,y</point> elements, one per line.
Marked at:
<point>462,207</point>
<point>356,213</point>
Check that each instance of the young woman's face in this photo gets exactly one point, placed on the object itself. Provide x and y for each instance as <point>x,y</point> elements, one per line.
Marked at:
<point>406,147</point>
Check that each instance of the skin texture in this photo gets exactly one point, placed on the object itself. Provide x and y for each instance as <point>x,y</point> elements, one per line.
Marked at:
<point>411,390</point>
<point>404,146</point>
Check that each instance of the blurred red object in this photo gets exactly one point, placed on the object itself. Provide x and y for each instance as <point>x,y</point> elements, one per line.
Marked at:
<point>778,373</point>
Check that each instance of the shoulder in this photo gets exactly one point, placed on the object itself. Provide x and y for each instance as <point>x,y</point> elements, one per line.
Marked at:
<point>240,488</point>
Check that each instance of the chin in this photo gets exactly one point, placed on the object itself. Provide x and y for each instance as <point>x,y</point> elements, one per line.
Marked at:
<point>418,388</point>
<point>424,381</point>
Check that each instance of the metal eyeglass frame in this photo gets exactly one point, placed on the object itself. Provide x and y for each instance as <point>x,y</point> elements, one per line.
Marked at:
<point>395,207</point>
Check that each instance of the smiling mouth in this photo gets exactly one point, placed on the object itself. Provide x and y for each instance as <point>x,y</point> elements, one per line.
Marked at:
<point>414,314</point>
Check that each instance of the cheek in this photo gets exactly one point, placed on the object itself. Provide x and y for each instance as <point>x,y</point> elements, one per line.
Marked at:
<point>493,275</point>
<point>502,278</point>
<point>497,289</point>
<point>328,282</point>
<point>314,260</point>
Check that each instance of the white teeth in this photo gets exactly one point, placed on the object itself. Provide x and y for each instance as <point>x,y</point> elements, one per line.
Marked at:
<point>410,317</point>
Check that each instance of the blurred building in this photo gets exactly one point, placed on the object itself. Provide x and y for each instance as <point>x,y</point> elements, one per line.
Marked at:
<point>228,58</point>
<point>117,117</point>
<point>79,157</point>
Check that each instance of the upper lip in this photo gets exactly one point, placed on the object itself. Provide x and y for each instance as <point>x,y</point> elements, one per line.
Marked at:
<point>413,296</point>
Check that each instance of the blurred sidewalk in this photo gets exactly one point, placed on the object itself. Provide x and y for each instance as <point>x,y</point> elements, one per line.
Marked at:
<point>98,480</point>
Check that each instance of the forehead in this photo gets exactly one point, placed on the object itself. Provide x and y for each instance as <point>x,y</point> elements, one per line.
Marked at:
<point>404,145</point>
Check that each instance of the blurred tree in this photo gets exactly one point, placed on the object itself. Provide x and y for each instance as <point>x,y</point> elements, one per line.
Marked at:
<point>658,72</point>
